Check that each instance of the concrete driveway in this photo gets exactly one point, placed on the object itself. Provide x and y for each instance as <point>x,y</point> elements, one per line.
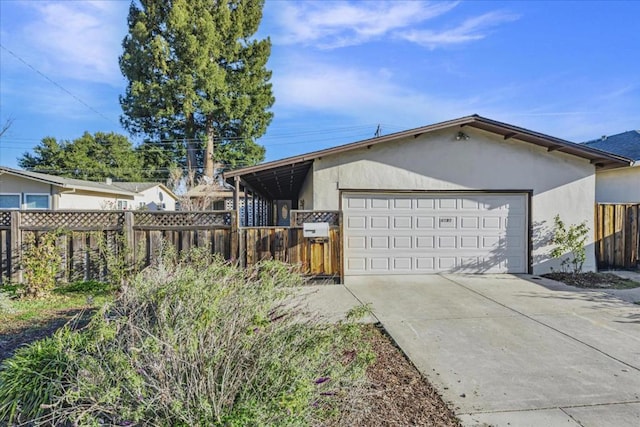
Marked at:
<point>506,350</point>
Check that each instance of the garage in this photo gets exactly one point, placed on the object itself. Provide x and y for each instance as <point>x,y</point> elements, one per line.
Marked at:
<point>430,233</point>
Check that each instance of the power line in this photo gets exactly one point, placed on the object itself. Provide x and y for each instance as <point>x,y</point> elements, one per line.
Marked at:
<point>57,84</point>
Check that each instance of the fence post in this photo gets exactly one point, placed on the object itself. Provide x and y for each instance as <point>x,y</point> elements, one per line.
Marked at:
<point>15,257</point>
<point>129,237</point>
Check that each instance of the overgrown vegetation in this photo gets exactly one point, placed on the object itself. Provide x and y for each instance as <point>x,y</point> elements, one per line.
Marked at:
<point>570,244</point>
<point>192,340</point>
<point>40,263</point>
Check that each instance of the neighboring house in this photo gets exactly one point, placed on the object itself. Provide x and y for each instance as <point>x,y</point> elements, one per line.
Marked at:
<point>619,185</point>
<point>152,196</point>
<point>210,196</point>
<point>466,195</point>
<point>21,189</point>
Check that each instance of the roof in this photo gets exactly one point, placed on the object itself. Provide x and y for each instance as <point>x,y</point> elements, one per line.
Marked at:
<point>122,188</point>
<point>283,179</point>
<point>213,191</point>
<point>625,144</point>
<point>137,187</point>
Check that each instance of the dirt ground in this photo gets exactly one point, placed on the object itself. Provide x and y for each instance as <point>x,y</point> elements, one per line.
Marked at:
<point>593,280</point>
<point>396,394</point>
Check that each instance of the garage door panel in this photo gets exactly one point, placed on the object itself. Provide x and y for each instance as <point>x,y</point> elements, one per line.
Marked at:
<point>425,222</point>
<point>470,222</point>
<point>402,242</point>
<point>402,222</point>
<point>380,203</point>
<point>356,222</point>
<point>425,264</point>
<point>402,263</point>
<point>425,242</point>
<point>446,242</point>
<point>433,233</point>
<point>379,242</point>
<point>379,264</point>
<point>379,222</point>
<point>403,203</point>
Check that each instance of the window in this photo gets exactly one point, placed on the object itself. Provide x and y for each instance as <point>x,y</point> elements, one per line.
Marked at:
<point>122,204</point>
<point>9,201</point>
<point>36,201</point>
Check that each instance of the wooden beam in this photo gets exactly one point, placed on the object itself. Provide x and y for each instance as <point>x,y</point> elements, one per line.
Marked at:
<point>554,148</point>
<point>510,135</point>
<point>417,135</point>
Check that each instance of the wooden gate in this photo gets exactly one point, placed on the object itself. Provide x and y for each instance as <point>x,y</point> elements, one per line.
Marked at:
<point>316,257</point>
<point>617,235</point>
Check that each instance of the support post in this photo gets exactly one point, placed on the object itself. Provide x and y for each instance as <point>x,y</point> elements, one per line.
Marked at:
<point>14,257</point>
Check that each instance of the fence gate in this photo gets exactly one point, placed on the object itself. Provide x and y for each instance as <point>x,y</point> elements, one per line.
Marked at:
<point>617,235</point>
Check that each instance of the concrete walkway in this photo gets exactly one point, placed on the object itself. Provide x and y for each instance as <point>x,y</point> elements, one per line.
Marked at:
<point>512,350</point>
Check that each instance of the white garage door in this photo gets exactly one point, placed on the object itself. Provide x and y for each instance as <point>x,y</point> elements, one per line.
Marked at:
<point>434,233</point>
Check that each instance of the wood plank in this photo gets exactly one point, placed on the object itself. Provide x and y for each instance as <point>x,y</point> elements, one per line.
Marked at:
<point>316,258</point>
<point>634,232</point>
<point>618,249</point>
<point>608,236</point>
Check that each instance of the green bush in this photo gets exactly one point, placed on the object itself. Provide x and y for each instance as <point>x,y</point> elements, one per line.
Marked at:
<point>192,340</point>
<point>41,263</point>
<point>570,244</point>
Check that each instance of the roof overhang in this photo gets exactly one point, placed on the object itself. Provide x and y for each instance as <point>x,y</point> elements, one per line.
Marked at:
<point>65,185</point>
<point>282,179</point>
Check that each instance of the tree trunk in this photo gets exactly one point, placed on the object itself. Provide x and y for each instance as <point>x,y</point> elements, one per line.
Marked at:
<point>208,154</point>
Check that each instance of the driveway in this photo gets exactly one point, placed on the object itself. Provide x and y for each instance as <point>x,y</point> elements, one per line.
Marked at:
<point>506,350</point>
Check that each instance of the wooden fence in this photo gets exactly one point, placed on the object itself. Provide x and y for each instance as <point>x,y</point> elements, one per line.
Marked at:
<point>617,235</point>
<point>86,234</point>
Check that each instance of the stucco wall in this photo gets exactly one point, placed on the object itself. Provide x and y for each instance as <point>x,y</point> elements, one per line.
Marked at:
<point>618,185</point>
<point>561,184</point>
<point>306,192</point>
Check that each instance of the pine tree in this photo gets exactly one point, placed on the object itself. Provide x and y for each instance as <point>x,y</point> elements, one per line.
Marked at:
<point>198,78</point>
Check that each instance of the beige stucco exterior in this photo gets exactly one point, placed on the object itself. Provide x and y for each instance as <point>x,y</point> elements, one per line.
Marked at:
<point>619,185</point>
<point>559,183</point>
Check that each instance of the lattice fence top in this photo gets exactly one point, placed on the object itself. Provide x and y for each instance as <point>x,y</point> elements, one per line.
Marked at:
<point>182,219</point>
<point>72,220</point>
<point>5,219</point>
<point>300,217</point>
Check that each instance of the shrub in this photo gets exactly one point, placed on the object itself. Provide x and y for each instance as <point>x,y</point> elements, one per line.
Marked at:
<point>570,244</point>
<point>193,340</point>
<point>41,263</point>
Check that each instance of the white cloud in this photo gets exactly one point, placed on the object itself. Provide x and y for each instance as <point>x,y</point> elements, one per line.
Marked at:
<point>470,30</point>
<point>79,40</point>
<point>363,95</point>
<point>338,24</point>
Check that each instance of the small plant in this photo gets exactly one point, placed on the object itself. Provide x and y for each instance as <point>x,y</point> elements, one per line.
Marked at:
<point>41,263</point>
<point>570,245</point>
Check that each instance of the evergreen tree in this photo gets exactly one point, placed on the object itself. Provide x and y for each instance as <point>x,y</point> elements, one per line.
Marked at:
<point>91,157</point>
<point>198,78</point>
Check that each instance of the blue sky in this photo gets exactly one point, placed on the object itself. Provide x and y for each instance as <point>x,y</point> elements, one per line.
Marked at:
<point>340,68</point>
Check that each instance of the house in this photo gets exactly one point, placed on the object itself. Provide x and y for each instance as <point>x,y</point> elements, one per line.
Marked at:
<point>210,196</point>
<point>467,195</point>
<point>620,185</point>
<point>21,189</point>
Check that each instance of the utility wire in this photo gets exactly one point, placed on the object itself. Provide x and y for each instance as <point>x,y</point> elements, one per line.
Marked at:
<point>57,85</point>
